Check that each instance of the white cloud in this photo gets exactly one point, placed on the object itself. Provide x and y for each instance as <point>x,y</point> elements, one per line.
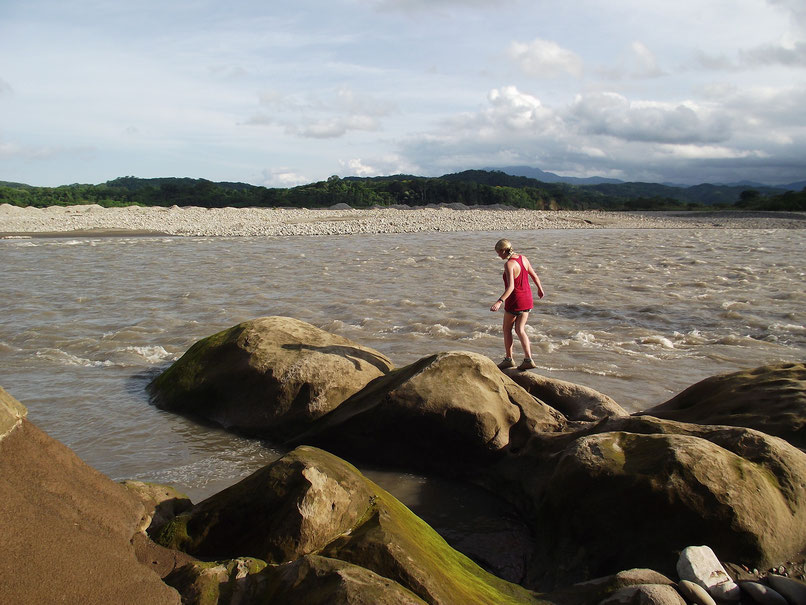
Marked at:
<point>708,152</point>
<point>646,62</point>
<point>5,87</point>
<point>356,167</point>
<point>544,58</point>
<point>509,110</point>
<point>283,177</point>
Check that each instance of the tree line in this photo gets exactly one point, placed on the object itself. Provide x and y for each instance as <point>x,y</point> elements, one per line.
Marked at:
<point>471,188</point>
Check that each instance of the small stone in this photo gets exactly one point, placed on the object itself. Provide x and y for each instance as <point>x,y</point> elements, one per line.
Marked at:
<point>793,590</point>
<point>699,564</point>
<point>645,593</point>
<point>726,591</point>
<point>695,593</point>
<point>763,595</point>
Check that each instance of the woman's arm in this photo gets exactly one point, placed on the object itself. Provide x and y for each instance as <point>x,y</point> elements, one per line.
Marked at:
<point>535,278</point>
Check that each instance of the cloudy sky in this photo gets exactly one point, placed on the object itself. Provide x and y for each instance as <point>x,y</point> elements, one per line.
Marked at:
<point>285,93</point>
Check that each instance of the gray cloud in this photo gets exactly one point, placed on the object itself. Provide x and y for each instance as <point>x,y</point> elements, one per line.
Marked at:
<point>770,54</point>
<point>607,134</point>
<point>430,5</point>
<point>614,115</point>
<point>322,116</point>
<point>15,151</point>
<point>796,9</point>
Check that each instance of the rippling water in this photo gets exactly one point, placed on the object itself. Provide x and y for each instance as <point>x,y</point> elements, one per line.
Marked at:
<point>636,314</point>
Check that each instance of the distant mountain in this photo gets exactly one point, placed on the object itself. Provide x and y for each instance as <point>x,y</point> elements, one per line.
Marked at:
<point>550,177</point>
<point>761,186</point>
<point>746,184</point>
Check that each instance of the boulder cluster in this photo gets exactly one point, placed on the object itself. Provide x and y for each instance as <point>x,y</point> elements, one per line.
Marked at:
<point>708,488</point>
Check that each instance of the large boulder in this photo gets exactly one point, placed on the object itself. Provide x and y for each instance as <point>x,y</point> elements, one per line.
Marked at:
<point>311,502</point>
<point>635,491</point>
<point>576,402</point>
<point>446,412</point>
<point>267,377</point>
<point>66,528</point>
<point>771,399</point>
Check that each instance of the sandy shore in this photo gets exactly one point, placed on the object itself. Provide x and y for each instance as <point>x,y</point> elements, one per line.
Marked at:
<point>93,220</point>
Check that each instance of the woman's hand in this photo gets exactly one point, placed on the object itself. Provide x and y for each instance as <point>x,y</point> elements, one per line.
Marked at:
<point>496,305</point>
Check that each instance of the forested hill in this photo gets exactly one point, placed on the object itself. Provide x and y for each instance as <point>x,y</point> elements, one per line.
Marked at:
<point>471,188</point>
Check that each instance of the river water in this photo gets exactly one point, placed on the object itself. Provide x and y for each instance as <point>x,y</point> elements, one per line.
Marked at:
<point>636,314</point>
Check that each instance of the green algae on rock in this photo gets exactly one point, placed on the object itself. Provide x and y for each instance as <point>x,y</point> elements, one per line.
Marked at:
<point>309,580</point>
<point>311,502</point>
<point>633,491</point>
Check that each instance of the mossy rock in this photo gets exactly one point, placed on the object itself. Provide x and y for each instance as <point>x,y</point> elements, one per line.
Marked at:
<point>634,491</point>
<point>267,377</point>
<point>219,582</point>
<point>312,503</point>
<point>316,580</point>
<point>162,503</point>
<point>771,399</point>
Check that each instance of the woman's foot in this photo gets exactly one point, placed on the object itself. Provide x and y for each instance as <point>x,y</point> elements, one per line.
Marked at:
<point>507,363</point>
<point>527,364</point>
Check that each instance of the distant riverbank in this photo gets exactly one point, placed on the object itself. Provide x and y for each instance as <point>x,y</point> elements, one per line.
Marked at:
<point>93,220</point>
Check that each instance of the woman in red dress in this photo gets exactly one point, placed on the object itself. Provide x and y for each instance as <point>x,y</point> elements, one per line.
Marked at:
<point>517,301</point>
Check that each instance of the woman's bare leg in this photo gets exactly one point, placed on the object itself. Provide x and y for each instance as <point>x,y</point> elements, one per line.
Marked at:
<point>520,331</point>
<point>509,320</point>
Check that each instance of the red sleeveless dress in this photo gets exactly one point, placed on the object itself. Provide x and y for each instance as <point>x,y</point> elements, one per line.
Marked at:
<point>521,297</point>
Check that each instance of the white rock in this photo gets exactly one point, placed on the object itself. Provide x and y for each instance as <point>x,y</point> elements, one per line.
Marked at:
<point>699,564</point>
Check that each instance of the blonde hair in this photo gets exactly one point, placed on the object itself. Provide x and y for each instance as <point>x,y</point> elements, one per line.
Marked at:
<point>504,245</point>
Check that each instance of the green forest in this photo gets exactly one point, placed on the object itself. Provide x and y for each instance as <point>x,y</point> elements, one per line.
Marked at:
<point>470,188</point>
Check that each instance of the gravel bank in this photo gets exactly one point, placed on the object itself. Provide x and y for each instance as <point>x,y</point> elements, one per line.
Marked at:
<point>231,222</point>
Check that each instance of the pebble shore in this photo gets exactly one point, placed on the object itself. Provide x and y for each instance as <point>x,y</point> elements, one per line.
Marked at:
<point>250,222</point>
